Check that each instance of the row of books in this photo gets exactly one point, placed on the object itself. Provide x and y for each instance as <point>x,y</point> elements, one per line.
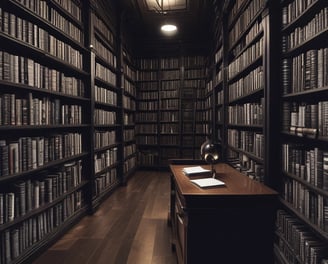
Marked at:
<point>167,104</point>
<point>193,61</point>
<point>104,138</point>
<point>66,26</point>
<point>105,95</point>
<point>194,73</point>
<point>313,205</point>
<point>129,164</point>
<point>248,141</point>
<point>105,53</point>
<point>147,76</point>
<point>295,239</point>
<point>147,140</point>
<point>147,117</point>
<point>306,71</point>
<point>246,58</point>
<point>306,119</point>
<point>170,63</point>
<point>308,164</point>
<point>129,150</point>
<point>149,105</point>
<point>151,86</point>
<point>146,128</point>
<point>102,28</point>
<point>105,181</point>
<point>105,74</point>
<point>169,128</point>
<point>218,77</point>
<point>245,19</point>
<point>19,238</point>
<point>169,140</point>
<point>71,6</point>
<point>209,86</point>
<point>247,84</point>
<point>256,28</point>
<point>148,95</point>
<point>235,9</point>
<point>169,94</point>
<point>218,55</point>
<point>196,83</point>
<point>27,153</point>
<point>105,159</point>
<point>246,114</point>
<point>219,115</point>
<point>128,118</point>
<point>246,165</point>
<point>148,64</point>
<point>41,8</point>
<point>294,9</point>
<point>37,111</point>
<point>219,97</point>
<point>170,85</point>
<point>129,103</point>
<point>318,24</point>
<point>22,70</point>
<point>129,87</point>
<point>169,116</point>
<point>131,73</point>
<point>36,36</point>
<point>104,117</point>
<point>147,158</point>
<point>128,134</point>
<point>169,74</point>
<point>24,196</point>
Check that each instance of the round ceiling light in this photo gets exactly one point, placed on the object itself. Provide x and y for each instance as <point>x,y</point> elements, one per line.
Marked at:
<point>169,29</point>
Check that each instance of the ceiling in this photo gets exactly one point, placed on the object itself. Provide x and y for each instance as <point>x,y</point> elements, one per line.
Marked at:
<point>142,20</point>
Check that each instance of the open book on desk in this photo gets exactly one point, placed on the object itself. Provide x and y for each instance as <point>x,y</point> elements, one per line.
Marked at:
<point>202,182</point>
<point>207,182</point>
<point>195,171</point>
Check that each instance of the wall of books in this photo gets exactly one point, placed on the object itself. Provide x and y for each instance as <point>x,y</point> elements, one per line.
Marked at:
<point>304,95</point>
<point>245,87</point>
<point>107,105</point>
<point>129,112</point>
<point>170,108</point>
<point>43,146</point>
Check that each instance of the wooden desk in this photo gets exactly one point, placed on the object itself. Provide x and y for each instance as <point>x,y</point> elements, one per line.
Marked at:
<point>228,224</point>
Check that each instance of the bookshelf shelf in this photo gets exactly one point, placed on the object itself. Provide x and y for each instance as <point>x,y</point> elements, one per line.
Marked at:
<point>36,211</point>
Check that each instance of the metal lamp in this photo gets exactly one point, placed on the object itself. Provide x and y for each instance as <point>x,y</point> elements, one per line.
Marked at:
<point>210,153</point>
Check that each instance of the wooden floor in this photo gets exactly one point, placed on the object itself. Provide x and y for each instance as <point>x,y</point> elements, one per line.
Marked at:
<point>129,227</point>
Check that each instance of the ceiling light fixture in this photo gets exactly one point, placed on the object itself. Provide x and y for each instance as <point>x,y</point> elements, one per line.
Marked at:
<point>169,29</point>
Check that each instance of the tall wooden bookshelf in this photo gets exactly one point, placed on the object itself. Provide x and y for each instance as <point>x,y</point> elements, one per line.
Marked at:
<point>107,103</point>
<point>249,87</point>
<point>129,112</point>
<point>44,124</point>
<point>192,96</point>
<point>304,94</point>
<point>216,84</point>
<point>170,121</point>
<point>147,125</point>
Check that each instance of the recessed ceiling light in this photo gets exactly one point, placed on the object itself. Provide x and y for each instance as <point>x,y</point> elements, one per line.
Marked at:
<point>169,29</point>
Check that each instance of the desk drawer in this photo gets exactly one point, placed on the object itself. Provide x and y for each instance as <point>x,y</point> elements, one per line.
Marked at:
<point>181,220</point>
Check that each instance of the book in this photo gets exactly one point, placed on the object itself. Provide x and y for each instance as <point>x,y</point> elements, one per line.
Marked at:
<point>195,170</point>
<point>208,182</point>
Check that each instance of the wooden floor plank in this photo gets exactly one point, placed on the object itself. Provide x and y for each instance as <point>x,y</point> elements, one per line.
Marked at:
<point>129,227</point>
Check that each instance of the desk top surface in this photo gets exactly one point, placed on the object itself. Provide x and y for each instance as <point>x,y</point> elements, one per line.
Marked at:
<point>236,184</point>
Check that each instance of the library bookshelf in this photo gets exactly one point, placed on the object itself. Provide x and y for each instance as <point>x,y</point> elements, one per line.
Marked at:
<point>44,124</point>
<point>171,96</point>
<point>304,183</point>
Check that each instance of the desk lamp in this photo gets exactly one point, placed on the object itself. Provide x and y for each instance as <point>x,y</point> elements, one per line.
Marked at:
<point>210,153</point>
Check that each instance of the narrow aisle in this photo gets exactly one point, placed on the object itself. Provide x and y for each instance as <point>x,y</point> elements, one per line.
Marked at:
<point>129,227</point>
